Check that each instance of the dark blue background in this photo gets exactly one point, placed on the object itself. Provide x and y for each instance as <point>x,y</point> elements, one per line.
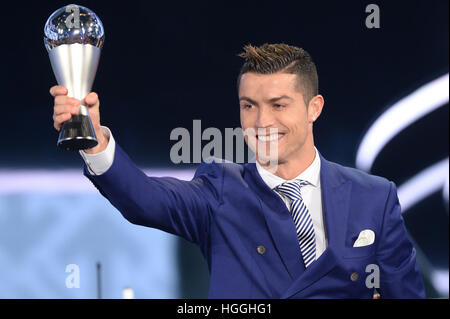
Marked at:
<point>166,63</point>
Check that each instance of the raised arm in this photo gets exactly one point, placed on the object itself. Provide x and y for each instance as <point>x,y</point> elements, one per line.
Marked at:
<point>175,206</point>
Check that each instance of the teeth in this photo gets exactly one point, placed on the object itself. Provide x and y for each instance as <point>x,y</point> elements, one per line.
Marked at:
<point>269,138</point>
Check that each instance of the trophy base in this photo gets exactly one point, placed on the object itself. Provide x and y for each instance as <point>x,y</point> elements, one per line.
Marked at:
<point>77,134</point>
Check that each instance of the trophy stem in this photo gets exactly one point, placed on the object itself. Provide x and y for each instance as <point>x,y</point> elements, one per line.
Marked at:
<point>77,133</point>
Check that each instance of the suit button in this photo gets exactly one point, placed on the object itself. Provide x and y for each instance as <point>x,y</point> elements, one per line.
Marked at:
<point>354,276</point>
<point>261,249</point>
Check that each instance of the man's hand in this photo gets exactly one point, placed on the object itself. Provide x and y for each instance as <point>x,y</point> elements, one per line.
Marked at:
<point>66,106</point>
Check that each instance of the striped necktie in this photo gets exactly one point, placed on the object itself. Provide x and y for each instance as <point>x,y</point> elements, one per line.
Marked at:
<point>302,219</point>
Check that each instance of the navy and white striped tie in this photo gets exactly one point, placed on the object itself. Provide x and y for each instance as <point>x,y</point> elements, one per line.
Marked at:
<point>302,219</point>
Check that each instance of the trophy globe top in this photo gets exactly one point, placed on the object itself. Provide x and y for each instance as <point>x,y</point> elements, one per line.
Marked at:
<point>73,24</point>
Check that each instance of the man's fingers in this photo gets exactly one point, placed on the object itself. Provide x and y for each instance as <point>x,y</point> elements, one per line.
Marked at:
<point>65,108</point>
<point>58,90</point>
<point>58,120</point>
<point>63,100</point>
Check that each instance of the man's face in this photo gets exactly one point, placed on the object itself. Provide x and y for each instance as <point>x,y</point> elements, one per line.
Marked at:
<point>273,102</point>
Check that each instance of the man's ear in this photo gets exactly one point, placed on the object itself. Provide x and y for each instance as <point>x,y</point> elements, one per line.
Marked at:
<point>315,107</point>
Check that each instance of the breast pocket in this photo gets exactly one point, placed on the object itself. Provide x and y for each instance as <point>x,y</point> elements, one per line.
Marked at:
<point>359,252</point>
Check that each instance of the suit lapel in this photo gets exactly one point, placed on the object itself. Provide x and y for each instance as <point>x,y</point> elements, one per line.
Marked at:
<point>279,222</point>
<point>335,202</point>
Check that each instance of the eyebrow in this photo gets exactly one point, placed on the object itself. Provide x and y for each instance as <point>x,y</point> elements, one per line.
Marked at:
<point>274,99</point>
<point>244,98</point>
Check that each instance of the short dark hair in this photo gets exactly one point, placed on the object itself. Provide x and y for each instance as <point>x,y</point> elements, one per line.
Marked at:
<point>280,57</point>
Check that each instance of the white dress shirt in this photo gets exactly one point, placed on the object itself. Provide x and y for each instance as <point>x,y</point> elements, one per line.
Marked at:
<point>99,163</point>
<point>311,195</point>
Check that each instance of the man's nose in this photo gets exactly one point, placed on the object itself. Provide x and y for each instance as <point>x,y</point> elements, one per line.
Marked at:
<point>265,118</point>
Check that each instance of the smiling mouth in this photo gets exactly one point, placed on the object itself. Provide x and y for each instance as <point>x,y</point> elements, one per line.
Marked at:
<point>269,138</point>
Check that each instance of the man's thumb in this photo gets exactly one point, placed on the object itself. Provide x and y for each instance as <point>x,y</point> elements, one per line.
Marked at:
<point>91,98</point>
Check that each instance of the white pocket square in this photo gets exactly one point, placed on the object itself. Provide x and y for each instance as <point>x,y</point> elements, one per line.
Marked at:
<point>366,237</point>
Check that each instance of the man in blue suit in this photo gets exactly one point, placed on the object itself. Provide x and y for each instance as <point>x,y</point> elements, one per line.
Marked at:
<point>290,225</point>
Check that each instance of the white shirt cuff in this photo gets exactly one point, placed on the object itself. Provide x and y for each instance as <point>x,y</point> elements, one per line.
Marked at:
<point>99,163</point>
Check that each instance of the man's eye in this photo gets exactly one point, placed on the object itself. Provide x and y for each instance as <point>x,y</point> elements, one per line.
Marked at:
<point>248,106</point>
<point>279,106</point>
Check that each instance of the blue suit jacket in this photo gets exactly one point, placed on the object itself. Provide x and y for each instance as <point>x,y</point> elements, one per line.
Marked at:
<point>228,211</point>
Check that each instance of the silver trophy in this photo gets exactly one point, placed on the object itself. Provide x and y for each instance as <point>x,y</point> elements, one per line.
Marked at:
<point>73,38</point>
